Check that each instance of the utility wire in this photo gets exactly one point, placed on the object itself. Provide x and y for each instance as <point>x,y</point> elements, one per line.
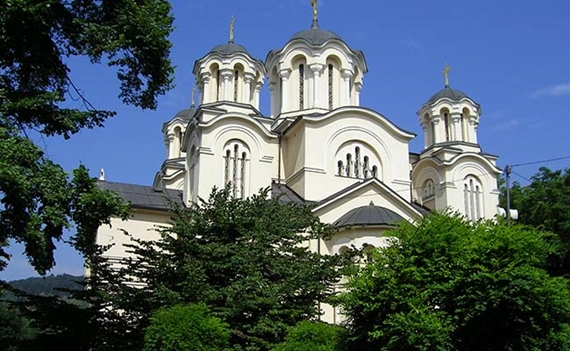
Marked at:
<point>543,161</point>
<point>523,177</point>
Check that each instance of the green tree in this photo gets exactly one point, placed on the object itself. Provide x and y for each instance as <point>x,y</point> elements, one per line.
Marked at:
<point>15,328</point>
<point>38,198</point>
<point>312,336</point>
<point>186,327</point>
<point>545,204</point>
<point>449,284</point>
<point>245,259</point>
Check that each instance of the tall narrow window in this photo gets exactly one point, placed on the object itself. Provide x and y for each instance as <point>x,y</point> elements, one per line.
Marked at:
<point>227,166</point>
<point>236,168</point>
<point>236,85</point>
<point>447,127</point>
<point>375,172</point>
<point>473,198</point>
<point>357,162</point>
<point>242,177</point>
<point>301,87</point>
<point>330,79</point>
<point>218,84</point>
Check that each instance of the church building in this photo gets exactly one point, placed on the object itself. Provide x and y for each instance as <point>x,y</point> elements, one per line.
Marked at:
<point>317,146</point>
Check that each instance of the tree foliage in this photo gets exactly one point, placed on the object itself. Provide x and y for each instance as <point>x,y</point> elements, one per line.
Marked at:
<point>186,327</point>
<point>15,328</point>
<point>38,198</point>
<point>449,284</point>
<point>247,260</point>
<point>545,204</point>
<point>312,336</point>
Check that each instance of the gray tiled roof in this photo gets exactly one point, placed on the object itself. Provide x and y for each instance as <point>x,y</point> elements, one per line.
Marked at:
<point>229,49</point>
<point>285,194</point>
<point>315,36</point>
<point>368,216</point>
<point>145,197</point>
<point>448,93</point>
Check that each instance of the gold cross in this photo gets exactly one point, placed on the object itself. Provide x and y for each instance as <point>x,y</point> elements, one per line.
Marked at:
<point>446,71</point>
<point>232,26</point>
<point>315,9</point>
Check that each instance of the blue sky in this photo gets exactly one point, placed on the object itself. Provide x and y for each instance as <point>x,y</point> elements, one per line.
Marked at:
<point>512,57</point>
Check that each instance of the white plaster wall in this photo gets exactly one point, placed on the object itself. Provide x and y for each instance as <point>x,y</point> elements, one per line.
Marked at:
<point>142,224</point>
<point>313,144</point>
<point>263,149</point>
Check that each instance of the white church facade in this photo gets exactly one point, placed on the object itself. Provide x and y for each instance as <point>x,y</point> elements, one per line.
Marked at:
<point>317,146</point>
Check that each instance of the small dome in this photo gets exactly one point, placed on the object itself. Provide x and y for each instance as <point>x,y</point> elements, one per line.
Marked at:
<point>368,216</point>
<point>448,93</point>
<point>315,36</point>
<point>186,114</point>
<point>229,49</point>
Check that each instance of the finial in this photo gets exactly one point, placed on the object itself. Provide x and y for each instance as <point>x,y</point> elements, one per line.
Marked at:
<point>102,175</point>
<point>193,94</point>
<point>232,26</point>
<point>315,5</point>
<point>446,71</point>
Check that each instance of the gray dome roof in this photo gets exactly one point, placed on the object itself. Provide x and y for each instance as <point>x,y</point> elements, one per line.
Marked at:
<point>229,49</point>
<point>186,114</point>
<point>368,216</point>
<point>315,36</point>
<point>448,93</point>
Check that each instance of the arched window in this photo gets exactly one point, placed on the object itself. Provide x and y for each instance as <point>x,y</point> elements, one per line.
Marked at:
<point>473,198</point>
<point>428,189</point>
<point>236,85</point>
<point>192,161</point>
<point>330,85</point>
<point>465,125</point>
<point>218,85</point>
<point>447,126</point>
<point>176,142</point>
<point>236,167</point>
<point>357,162</point>
<point>301,87</point>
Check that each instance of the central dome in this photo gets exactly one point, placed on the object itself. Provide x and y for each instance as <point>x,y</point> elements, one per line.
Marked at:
<point>315,36</point>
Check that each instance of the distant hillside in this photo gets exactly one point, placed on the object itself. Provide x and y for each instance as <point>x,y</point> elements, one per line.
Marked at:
<point>49,285</point>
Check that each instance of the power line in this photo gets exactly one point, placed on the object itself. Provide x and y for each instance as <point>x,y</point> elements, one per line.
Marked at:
<point>523,177</point>
<point>543,161</point>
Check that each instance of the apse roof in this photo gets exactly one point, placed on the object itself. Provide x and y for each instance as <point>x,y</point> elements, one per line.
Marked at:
<point>369,216</point>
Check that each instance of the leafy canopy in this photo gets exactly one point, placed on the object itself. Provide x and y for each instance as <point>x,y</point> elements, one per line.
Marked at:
<point>312,336</point>
<point>245,259</point>
<point>449,284</point>
<point>38,200</point>
<point>545,204</point>
<point>186,327</point>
